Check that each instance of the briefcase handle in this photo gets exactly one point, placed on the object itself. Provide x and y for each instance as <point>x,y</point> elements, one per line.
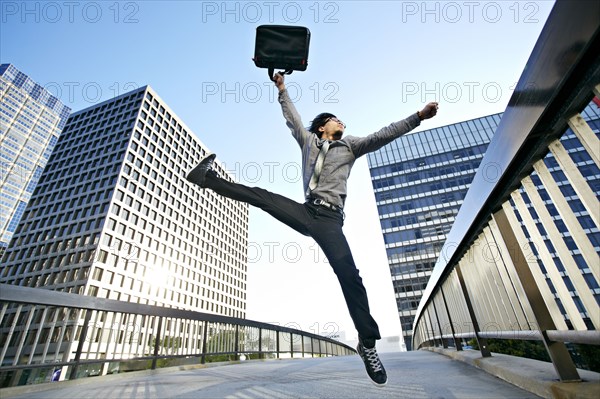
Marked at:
<point>271,75</point>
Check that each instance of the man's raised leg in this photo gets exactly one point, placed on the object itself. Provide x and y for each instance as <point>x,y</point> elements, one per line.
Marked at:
<point>287,211</point>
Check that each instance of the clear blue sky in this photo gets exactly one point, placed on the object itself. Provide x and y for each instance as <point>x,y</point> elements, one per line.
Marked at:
<point>370,63</point>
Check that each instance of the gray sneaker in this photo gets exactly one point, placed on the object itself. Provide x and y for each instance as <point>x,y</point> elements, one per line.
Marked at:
<point>372,363</point>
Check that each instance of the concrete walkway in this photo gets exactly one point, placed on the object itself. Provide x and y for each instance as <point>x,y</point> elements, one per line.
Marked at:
<point>413,375</point>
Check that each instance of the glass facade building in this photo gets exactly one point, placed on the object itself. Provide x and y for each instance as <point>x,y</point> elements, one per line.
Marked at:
<point>420,181</point>
<point>31,120</point>
<point>113,217</point>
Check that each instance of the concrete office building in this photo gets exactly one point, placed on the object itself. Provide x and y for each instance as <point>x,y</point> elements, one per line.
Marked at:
<point>31,120</point>
<point>113,217</point>
<point>420,181</point>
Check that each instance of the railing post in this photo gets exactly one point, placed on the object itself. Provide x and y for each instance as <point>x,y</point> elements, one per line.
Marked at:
<point>237,340</point>
<point>10,332</point>
<point>204,340</point>
<point>561,359</point>
<point>431,329</point>
<point>437,318</point>
<point>157,343</point>
<point>84,328</point>
<point>482,342</point>
<point>457,343</point>
<point>260,354</point>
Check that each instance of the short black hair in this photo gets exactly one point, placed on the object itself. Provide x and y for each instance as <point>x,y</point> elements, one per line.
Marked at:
<point>319,121</point>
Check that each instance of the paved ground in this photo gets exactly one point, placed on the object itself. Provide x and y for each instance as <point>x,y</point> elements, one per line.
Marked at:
<point>413,375</point>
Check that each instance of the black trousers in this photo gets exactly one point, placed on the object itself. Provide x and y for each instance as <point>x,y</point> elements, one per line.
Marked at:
<point>325,227</point>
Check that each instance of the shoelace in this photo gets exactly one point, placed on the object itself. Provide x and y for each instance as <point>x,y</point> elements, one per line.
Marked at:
<point>373,358</point>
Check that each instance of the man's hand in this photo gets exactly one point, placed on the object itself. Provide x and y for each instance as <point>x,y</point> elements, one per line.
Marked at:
<point>429,111</point>
<point>279,81</point>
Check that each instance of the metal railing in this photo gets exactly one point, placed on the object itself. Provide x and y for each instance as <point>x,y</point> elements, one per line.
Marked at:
<point>518,262</point>
<point>47,335</point>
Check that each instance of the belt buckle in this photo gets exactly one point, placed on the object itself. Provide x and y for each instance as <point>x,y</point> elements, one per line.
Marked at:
<point>335,208</point>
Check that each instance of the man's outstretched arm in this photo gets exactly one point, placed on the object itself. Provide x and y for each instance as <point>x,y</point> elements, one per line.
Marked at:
<point>292,118</point>
<point>375,141</point>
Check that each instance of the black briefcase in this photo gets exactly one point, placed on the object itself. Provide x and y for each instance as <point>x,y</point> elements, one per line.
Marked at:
<point>281,47</point>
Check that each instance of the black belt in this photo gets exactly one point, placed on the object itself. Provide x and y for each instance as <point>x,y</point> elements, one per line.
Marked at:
<point>320,202</point>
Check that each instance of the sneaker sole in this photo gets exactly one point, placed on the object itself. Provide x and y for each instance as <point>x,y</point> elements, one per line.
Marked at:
<point>378,385</point>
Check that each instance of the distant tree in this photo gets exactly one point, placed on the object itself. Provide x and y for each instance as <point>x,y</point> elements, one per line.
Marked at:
<point>169,345</point>
<point>221,341</point>
<point>529,349</point>
<point>586,357</point>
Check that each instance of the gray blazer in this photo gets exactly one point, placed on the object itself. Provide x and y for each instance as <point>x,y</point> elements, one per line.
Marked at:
<point>341,155</point>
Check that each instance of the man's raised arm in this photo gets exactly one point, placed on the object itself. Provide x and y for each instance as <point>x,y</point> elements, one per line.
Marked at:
<point>375,141</point>
<point>292,118</point>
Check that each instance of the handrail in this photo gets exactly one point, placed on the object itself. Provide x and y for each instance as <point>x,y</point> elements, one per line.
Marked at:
<point>37,296</point>
<point>41,329</point>
<point>571,35</point>
<point>559,80</point>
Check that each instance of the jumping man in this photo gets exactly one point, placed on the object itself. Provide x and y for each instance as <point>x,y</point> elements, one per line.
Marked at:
<point>327,159</point>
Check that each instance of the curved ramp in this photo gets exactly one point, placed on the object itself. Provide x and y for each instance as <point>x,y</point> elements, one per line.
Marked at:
<point>412,375</point>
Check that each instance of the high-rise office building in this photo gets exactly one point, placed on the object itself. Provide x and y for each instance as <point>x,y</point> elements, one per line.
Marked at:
<point>31,120</point>
<point>420,181</point>
<point>114,217</point>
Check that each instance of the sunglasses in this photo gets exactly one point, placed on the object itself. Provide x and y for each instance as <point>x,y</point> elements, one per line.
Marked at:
<point>336,120</point>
